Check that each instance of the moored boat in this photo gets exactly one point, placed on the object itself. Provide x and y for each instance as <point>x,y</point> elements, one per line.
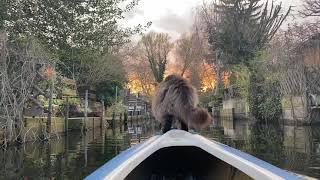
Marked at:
<point>181,155</point>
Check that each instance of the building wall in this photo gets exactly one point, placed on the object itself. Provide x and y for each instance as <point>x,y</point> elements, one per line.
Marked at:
<point>239,105</point>
<point>136,103</point>
<point>295,105</point>
<point>295,108</point>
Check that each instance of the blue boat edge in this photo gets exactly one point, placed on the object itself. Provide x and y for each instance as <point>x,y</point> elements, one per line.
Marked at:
<point>106,169</point>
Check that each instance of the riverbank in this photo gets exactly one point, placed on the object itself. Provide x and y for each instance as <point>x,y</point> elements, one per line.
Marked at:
<point>35,128</point>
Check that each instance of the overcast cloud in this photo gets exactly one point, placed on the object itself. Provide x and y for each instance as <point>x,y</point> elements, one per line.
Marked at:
<point>174,16</point>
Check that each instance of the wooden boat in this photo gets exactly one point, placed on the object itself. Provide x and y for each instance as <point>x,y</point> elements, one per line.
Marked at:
<point>181,155</point>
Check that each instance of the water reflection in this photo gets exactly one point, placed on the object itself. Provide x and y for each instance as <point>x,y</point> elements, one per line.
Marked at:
<point>290,147</point>
<point>75,156</point>
<point>71,157</point>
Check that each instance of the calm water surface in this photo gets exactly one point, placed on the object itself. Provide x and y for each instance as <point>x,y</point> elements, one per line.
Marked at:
<point>75,156</point>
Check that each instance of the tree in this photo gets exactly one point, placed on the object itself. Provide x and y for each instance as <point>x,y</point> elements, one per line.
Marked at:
<point>64,24</point>
<point>83,35</point>
<point>3,13</point>
<point>96,68</point>
<point>156,47</point>
<point>140,77</point>
<point>189,51</point>
<point>289,51</point>
<point>73,30</point>
<point>209,20</point>
<point>311,8</point>
<point>238,29</point>
<point>19,63</point>
<point>106,91</point>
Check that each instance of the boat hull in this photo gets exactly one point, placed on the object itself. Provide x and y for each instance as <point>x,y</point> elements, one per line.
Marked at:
<point>180,153</point>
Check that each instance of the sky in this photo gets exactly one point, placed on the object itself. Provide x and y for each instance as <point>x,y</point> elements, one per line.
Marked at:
<point>173,16</point>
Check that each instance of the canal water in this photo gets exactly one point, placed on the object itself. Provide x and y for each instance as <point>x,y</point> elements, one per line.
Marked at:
<point>75,156</point>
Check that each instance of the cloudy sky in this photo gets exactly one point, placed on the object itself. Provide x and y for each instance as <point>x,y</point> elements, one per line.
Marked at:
<point>173,16</point>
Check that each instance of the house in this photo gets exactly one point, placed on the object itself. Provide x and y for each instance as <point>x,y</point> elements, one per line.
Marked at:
<point>300,84</point>
<point>137,104</point>
<point>233,105</point>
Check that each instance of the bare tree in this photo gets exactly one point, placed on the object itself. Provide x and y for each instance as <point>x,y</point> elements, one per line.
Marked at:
<point>156,47</point>
<point>208,20</point>
<point>189,51</point>
<point>140,76</point>
<point>288,60</point>
<point>18,69</point>
<point>311,8</point>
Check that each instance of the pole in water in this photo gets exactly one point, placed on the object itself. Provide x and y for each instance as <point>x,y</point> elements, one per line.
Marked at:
<point>113,124</point>
<point>102,115</point>
<point>125,121</point>
<point>120,122</point>
<point>66,115</point>
<point>116,93</point>
<point>85,111</point>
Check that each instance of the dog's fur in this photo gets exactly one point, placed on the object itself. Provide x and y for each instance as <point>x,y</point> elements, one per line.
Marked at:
<point>177,99</point>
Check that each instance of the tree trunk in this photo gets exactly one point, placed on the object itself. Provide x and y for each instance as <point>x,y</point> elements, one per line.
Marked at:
<point>85,112</point>
<point>50,105</point>
<point>218,78</point>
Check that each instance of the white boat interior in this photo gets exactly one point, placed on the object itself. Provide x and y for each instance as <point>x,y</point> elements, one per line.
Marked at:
<point>184,162</point>
<point>181,155</point>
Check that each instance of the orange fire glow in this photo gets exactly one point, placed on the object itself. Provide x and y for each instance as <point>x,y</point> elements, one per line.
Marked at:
<point>206,74</point>
<point>139,84</point>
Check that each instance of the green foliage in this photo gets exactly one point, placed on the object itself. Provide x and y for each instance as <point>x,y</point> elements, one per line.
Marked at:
<point>68,91</point>
<point>106,91</point>
<point>74,101</point>
<point>217,98</point>
<point>83,35</point>
<point>264,99</point>
<point>116,108</point>
<point>206,98</point>
<point>210,99</point>
<point>240,78</point>
<point>263,94</point>
<point>240,28</point>
<point>258,83</point>
<point>3,13</point>
<point>95,69</point>
<point>63,24</point>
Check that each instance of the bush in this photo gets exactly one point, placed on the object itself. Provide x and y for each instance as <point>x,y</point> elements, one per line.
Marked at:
<point>116,108</point>
<point>264,98</point>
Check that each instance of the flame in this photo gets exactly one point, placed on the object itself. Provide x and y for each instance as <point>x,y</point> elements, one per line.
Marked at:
<point>146,85</point>
<point>226,78</point>
<point>172,68</point>
<point>134,84</point>
<point>208,77</point>
<point>138,84</point>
